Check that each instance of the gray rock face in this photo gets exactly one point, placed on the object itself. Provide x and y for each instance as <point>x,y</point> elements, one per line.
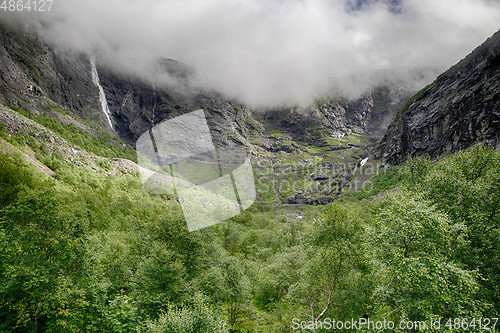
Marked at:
<point>137,106</point>
<point>460,108</point>
<point>30,71</point>
<point>368,115</point>
<point>312,150</point>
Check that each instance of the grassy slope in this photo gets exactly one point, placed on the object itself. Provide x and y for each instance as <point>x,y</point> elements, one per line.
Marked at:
<point>125,242</point>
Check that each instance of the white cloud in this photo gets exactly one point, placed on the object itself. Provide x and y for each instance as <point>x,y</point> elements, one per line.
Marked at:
<point>273,51</point>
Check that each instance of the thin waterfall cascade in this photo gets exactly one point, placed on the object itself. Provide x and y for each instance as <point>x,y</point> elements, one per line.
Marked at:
<point>154,104</point>
<point>102,95</point>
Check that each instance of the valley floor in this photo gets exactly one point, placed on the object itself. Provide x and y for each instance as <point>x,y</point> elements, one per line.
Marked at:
<point>84,247</point>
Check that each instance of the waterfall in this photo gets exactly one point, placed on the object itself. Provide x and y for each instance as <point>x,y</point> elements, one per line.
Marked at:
<point>154,105</point>
<point>102,95</point>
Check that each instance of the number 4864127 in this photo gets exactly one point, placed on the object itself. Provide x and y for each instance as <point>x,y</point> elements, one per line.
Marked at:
<point>466,324</point>
<point>26,5</point>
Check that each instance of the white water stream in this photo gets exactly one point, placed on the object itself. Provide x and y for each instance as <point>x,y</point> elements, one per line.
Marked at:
<point>102,95</point>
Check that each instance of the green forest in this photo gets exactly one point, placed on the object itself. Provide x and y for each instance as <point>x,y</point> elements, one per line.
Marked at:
<point>84,252</point>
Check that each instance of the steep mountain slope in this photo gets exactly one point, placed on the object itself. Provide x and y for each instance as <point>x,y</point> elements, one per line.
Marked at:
<point>32,73</point>
<point>461,107</point>
<point>85,247</point>
<point>39,78</point>
<point>300,155</point>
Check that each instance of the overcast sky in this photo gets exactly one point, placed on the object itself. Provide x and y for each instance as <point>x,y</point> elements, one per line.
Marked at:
<point>275,51</point>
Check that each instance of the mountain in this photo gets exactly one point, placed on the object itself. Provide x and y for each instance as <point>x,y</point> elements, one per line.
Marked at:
<point>86,246</point>
<point>460,108</point>
<point>325,140</point>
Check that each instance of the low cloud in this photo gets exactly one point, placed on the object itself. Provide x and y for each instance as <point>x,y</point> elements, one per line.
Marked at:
<point>266,52</point>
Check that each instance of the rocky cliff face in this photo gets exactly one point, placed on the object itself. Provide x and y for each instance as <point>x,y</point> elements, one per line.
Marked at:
<point>300,155</point>
<point>136,106</point>
<point>39,78</point>
<point>460,108</point>
<point>338,117</point>
<point>31,73</point>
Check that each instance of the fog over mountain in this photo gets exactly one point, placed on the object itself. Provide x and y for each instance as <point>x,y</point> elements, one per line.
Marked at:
<point>270,52</point>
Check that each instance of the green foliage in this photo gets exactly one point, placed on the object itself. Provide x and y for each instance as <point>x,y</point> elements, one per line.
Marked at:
<point>67,250</point>
<point>409,226</point>
<point>198,317</point>
<point>122,314</point>
<point>385,180</point>
<point>102,144</point>
<point>467,187</point>
<point>337,266</point>
<point>416,169</point>
<point>94,253</point>
<point>41,259</point>
<point>408,103</point>
<point>416,244</point>
<point>99,145</point>
<point>25,113</point>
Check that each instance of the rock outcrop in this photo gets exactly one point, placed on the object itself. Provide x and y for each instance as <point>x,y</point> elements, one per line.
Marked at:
<point>460,108</point>
<point>31,72</point>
